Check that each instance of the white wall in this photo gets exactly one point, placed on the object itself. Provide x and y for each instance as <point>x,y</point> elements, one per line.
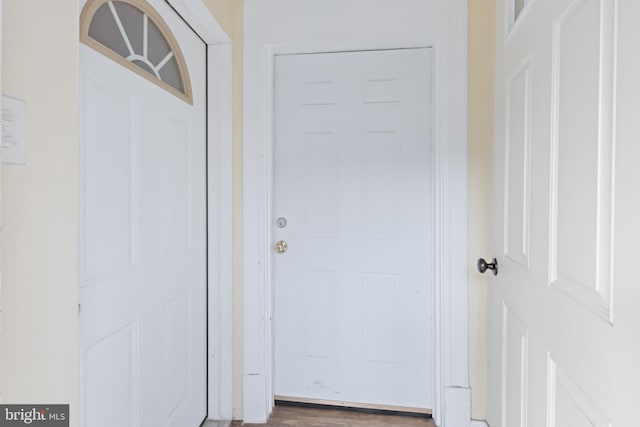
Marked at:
<point>337,24</point>
<point>307,21</point>
<point>40,206</point>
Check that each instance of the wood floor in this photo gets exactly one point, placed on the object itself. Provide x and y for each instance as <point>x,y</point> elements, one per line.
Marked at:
<point>291,416</point>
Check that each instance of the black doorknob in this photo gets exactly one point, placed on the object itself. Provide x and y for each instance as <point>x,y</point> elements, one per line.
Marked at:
<point>483,266</point>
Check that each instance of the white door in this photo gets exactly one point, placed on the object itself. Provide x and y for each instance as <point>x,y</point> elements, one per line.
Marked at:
<point>353,181</point>
<point>143,230</point>
<point>562,239</point>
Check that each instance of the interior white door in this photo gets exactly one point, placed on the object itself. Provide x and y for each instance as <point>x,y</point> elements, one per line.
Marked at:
<point>555,237</point>
<point>353,180</point>
<point>143,234</point>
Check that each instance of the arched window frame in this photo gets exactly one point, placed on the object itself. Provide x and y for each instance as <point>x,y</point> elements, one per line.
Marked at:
<point>86,17</point>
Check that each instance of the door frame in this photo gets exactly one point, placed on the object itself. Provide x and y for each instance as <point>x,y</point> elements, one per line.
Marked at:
<point>450,308</point>
<point>219,204</point>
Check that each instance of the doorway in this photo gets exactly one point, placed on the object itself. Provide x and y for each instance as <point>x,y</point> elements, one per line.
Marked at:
<point>450,381</point>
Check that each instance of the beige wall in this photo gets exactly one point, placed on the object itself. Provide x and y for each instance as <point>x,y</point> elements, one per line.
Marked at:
<point>481,76</point>
<point>229,14</point>
<point>40,206</point>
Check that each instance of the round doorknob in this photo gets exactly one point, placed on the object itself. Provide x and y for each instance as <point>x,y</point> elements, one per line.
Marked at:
<point>281,247</point>
<point>483,266</point>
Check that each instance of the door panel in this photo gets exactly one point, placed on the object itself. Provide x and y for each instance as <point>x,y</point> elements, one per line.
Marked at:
<point>109,217</point>
<point>582,148</point>
<point>517,179</point>
<point>110,374</point>
<point>552,323</point>
<point>143,234</point>
<point>353,178</point>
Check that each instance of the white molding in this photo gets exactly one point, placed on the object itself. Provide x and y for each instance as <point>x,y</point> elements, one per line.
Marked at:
<point>455,222</point>
<point>451,388</point>
<point>518,255</point>
<point>219,205</point>
<point>457,408</point>
<point>199,17</point>
<point>478,423</point>
<point>220,238</point>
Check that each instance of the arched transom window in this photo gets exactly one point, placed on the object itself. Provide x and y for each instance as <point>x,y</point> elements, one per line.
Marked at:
<point>133,34</point>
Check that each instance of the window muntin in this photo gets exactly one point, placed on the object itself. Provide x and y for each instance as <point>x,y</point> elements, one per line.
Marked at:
<point>517,8</point>
<point>133,34</point>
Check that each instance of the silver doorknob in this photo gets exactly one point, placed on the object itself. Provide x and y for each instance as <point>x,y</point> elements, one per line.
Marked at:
<point>483,266</point>
<point>281,247</point>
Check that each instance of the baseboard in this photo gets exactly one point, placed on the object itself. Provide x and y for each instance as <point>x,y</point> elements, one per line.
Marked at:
<point>457,408</point>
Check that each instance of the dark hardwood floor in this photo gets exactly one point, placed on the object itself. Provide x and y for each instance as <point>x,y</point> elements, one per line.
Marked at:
<point>292,416</point>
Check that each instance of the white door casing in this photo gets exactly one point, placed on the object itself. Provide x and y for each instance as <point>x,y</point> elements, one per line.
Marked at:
<point>353,181</point>
<point>143,236</point>
<point>553,321</point>
<point>361,26</point>
<point>220,205</point>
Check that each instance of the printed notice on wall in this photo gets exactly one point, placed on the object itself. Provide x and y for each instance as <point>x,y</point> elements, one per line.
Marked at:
<point>14,116</point>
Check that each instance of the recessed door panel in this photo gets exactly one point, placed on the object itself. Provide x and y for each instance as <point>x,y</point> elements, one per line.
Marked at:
<point>111,375</point>
<point>518,166</point>
<point>110,225</point>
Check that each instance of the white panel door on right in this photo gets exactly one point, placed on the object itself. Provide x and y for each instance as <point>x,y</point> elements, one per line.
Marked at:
<point>353,180</point>
<point>553,300</point>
